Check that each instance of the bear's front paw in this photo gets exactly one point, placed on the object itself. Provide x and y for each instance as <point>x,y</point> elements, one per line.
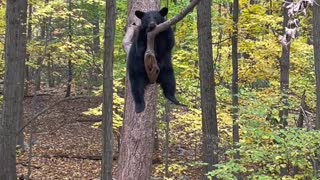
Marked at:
<point>139,107</point>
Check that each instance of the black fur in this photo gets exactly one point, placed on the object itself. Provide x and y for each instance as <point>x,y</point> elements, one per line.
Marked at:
<point>164,43</point>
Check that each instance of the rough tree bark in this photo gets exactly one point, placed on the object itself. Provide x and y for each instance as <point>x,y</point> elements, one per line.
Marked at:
<point>284,75</point>
<point>110,26</point>
<point>316,45</point>
<point>137,140</point>
<point>235,79</point>
<point>22,55</point>
<point>15,54</point>
<point>207,83</point>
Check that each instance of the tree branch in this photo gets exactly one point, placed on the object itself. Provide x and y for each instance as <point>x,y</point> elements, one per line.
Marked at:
<point>132,30</point>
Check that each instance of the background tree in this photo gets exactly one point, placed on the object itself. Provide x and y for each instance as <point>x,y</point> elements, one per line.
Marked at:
<point>316,50</point>
<point>110,26</point>
<point>207,83</point>
<point>15,54</point>
<point>284,74</point>
<point>316,45</point>
<point>68,93</point>
<point>235,79</point>
<point>29,37</point>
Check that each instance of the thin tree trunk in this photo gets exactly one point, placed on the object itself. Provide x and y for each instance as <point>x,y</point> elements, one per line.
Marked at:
<point>68,93</point>
<point>135,157</point>
<point>40,59</point>
<point>108,89</point>
<point>208,98</point>
<point>316,45</point>
<point>15,54</point>
<point>29,37</point>
<point>50,61</point>
<point>284,75</point>
<point>235,80</point>
<point>96,31</point>
<point>20,136</point>
<point>167,137</point>
<point>50,72</point>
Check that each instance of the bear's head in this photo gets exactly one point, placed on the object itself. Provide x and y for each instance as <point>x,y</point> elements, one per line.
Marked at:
<point>149,20</point>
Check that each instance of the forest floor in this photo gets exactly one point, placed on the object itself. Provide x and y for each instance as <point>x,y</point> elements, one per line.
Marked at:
<point>65,145</point>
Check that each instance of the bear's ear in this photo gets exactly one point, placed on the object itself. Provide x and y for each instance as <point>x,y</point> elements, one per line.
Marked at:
<point>163,11</point>
<point>139,14</point>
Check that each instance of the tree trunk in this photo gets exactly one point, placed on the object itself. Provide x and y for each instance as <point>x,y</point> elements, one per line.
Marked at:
<point>284,75</point>
<point>15,54</point>
<point>316,45</point>
<point>135,158</point>
<point>68,93</point>
<point>26,90</point>
<point>96,35</point>
<point>207,83</point>
<point>40,59</point>
<point>50,72</point>
<point>22,55</point>
<point>50,62</point>
<point>107,89</point>
<point>235,80</point>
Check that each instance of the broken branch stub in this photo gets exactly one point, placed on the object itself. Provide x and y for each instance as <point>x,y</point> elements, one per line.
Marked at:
<point>150,61</point>
<point>151,66</point>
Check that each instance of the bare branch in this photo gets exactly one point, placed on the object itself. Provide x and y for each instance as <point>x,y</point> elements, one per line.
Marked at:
<point>165,25</point>
<point>128,38</point>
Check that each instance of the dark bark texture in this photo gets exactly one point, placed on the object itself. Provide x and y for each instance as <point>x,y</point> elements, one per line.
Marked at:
<point>108,89</point>
<point>316,44</point>
<point>235,79</point>
<point>284,75</point>
<point>207,83</point>
<point>15,52</point>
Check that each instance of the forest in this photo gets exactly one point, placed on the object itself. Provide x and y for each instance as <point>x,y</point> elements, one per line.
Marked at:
<point>245,75</point>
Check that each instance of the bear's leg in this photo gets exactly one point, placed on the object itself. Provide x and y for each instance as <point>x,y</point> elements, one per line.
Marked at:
<point>137,89</point>
<point>168,84</point>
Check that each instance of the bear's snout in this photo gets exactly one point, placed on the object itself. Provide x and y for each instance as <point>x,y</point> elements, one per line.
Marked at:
<point>151,26</point>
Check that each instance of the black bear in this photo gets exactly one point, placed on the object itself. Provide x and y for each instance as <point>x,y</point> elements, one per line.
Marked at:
<point>163,44</point>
